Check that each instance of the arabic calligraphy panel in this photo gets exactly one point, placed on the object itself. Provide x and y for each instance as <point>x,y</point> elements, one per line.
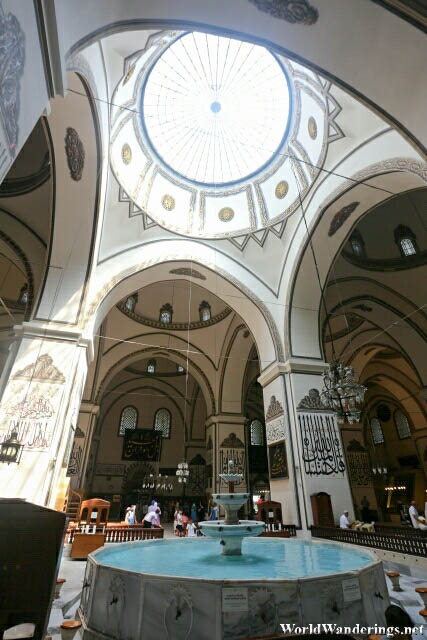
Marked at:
<point>275,430</point>
<point>142,444</point>
<point>278,461</point>
<point>321,446</point>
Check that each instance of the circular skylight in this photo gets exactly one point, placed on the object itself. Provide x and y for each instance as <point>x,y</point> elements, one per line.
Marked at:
<point>215,109</point>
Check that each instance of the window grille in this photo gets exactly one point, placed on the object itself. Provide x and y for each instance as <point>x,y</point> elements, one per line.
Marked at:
<point>402,425</point>
<point>162,422</point>
<point>166,314</point>
<point>376,430</point>
<point>128,419</point>
<point>257,433</point>
<point>205,311</point>
<point>408,247</point>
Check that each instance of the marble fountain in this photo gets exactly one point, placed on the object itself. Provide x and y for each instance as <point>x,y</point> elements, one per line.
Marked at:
<point>228,584</point>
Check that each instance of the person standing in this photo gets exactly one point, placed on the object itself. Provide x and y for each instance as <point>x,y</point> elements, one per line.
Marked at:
<point>214,511</point>
<point>191,529</point>
<point>149,518</point>
<point>130,516</point>
<point>193,513</point>
<point>416,521</point>
<point>344,521</point>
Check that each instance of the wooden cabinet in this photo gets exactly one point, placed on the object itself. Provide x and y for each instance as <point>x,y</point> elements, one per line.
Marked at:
<point>85,543</point>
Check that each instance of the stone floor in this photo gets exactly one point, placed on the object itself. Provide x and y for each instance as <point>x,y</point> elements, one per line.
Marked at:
<point>65,607</point>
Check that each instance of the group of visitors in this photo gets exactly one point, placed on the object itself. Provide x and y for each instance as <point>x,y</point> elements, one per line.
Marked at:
<point>186,519</point>
<point>416,520</point>
<point>150,519</point>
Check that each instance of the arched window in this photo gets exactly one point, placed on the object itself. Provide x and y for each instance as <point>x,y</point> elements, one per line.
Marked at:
<point>257,433</point>
<point>131,302</point>
<point>205,311</point>
<point>166,314</point>
<point>357,244</point>
<point>162,422</point>
<point>402,425</point>
<point>376,430</point>
<point>23,294</point>
<point>128,419</point>
<point>406,241</point>
<point>180,368</point>
<point>151,366</point>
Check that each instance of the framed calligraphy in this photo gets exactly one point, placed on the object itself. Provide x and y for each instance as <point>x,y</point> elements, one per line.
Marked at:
<point>142,444</point>
<point>278,461</point>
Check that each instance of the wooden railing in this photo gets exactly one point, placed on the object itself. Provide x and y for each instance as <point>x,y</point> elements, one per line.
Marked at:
<point>122,533</point>
<point>412,542</point>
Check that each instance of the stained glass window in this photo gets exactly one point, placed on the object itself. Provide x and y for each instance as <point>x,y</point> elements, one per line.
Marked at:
<point>257,433</point>
<point>402,425</point>
<point>128,419</point>
<point>376,430</point>
<point>162,422</point>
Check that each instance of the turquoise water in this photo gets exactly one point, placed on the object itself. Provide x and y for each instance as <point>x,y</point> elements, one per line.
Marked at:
<point>262,558</point>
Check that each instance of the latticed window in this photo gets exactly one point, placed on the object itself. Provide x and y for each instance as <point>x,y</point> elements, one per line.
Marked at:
<point>128,419</point>
<point>402,425</point>
<point>205,311</point>
<point>357,244</point>
<point>162,422</point>
<point>130,303</point>
<point>151,366</point>
<point>406,240</point>
<point>166,314</point>
<point>23,294</point>
<point>180,368</point>
<point>257,433</point>
<point>376,430</point>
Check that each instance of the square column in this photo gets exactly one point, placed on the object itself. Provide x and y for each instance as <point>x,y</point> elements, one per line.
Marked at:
<point>39,403</point>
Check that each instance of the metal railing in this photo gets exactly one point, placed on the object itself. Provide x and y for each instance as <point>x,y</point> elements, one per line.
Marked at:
<point>413,543</point>
<point>276,529</point>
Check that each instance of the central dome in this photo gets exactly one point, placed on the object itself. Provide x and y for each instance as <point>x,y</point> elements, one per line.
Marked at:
<point>215,110</point>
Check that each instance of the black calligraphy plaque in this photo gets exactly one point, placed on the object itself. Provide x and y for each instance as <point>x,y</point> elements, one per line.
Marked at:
<point>142,444</point>
<point>278,460</point>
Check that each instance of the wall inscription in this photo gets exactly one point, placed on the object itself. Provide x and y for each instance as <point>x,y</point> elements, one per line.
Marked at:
<point>275,430</point>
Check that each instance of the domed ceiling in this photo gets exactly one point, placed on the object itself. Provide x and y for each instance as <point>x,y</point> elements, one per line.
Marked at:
<point>215,137</point>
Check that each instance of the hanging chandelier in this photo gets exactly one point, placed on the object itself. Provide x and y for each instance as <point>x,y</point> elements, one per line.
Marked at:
<point>342,392</point>
<point>157,483</point>
<point>182,472</point>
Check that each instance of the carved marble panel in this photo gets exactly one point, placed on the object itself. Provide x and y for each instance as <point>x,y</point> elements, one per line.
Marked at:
<point>275,430</point>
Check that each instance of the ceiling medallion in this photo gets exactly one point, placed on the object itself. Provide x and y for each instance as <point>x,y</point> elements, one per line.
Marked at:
<point>168,202</point>
<point>75,153</point>
<point>226,214</point>
<point>281,189</point>
<point>312,128</point>
<point>129,74</point>
<point>293,11</point>
<point>126,154</point>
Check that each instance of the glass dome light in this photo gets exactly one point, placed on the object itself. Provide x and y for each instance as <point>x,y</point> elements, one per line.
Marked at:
<point>215,109</point>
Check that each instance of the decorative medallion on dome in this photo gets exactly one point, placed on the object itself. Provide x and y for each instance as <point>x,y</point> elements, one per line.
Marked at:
<point>281,189</point>
<point>226,214</point>
<point>126,154</point>
<point>168,202</point>
<point>129,74</point>
<point>312,128</point>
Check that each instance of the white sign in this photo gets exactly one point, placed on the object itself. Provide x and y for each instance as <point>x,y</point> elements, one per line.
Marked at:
<point>235,599</point>
<point>351,590</point>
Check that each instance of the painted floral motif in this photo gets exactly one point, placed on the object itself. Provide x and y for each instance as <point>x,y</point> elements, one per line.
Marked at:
<point>226,214</point>
<point>75,153</point>
<point>168,202</point>
<point>293,11</point>
<point>341,216</point>
<point>126,154</point>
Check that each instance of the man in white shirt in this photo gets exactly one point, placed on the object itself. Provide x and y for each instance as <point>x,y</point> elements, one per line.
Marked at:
<point>416,520</point>
<point>344,521</point>
<point>149,517</point>
<point>191,529</point>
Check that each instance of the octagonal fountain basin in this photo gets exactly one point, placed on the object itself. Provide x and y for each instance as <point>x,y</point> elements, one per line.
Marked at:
<point>186,590</point>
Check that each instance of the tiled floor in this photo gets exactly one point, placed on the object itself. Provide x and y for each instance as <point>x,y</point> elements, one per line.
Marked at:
<point>73,571</point>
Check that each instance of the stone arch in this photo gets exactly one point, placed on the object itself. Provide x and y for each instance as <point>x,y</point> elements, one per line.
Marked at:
<point>330,227</point>
<point>130,274</point>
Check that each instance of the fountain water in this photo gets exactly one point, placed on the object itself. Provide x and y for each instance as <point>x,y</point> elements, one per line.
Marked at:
<point>231,531</point>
